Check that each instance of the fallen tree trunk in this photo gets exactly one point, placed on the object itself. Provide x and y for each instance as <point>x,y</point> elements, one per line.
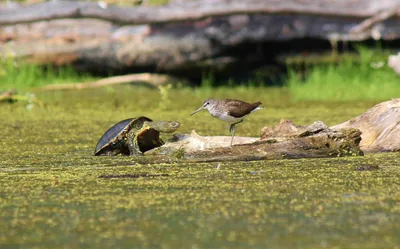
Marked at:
<point>190,10</point>
<point>314,141</point>
<point>376,130</point>
<point>196,35</point>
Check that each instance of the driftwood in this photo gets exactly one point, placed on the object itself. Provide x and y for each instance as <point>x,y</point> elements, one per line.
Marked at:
<point>314,141</point>
<point>151,79</point>
<point>187,37</point>
<point>376,130</point>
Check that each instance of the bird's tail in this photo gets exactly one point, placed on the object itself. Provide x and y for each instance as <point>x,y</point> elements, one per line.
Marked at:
<point>257,106</point>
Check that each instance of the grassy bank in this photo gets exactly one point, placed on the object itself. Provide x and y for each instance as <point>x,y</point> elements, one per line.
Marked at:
<point>367,78</point>
<point>21,76</point>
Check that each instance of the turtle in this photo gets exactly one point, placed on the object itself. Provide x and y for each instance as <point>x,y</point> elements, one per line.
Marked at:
<point>133,136</point>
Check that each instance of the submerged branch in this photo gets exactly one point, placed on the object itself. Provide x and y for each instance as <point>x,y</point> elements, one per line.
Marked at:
<point>152,79</point>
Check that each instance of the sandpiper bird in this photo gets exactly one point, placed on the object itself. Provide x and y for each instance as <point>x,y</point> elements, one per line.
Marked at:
<point>229,110</point>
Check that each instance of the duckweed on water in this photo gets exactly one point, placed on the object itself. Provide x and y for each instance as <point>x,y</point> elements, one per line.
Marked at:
<point>54,193</point>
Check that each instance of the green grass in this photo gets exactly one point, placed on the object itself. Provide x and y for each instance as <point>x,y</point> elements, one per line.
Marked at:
<point>368,78</point>
<point>22,76</point>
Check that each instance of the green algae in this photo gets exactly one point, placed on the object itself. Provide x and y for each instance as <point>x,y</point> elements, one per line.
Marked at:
<point>53,193</point>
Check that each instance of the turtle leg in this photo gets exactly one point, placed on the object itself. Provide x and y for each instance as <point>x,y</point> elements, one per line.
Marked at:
<point>109,153</point>
<point>232,130</point>
<point>133,146</point>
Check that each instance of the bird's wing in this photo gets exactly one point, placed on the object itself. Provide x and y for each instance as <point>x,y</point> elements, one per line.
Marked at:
<point>237,108</point>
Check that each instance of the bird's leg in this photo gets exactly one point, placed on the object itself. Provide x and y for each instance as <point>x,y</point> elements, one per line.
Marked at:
<point>232,130</point>
<point>233,126</point>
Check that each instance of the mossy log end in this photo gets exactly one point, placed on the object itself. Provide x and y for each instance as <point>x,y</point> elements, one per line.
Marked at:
<point>380,127</point>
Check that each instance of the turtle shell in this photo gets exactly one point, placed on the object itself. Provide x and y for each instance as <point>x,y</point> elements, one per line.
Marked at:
<point>110,141</point>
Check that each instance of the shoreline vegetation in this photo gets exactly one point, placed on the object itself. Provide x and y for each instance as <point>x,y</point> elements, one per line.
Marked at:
<point>367,78</point>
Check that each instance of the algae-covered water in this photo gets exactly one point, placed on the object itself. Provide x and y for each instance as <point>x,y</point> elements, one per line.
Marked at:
<point>55,194</point>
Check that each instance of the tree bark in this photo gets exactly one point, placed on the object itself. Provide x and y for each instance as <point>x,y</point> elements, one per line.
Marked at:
<point>194,36</point>
<point>191,10</point>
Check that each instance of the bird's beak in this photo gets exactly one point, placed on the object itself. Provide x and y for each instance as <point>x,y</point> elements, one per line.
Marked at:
<point>201,108</point>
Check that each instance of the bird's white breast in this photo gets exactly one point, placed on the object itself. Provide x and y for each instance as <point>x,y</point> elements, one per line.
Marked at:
<point>225,117</point>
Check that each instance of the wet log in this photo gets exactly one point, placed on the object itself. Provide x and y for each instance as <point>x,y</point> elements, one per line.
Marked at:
<point>376,130</point>
<point>194,35</point>
<point>285,141</point>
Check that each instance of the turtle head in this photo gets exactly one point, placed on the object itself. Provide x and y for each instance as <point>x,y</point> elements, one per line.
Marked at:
<point>146,133</point>
<point>162,126</point>
<point>148,137</point>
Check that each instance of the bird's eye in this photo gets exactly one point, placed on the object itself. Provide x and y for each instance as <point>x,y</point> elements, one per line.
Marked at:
<point>206,104</point>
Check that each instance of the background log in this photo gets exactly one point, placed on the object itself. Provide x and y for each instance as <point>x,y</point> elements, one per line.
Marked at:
<point>192,36</point>
<point>192,10</point>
